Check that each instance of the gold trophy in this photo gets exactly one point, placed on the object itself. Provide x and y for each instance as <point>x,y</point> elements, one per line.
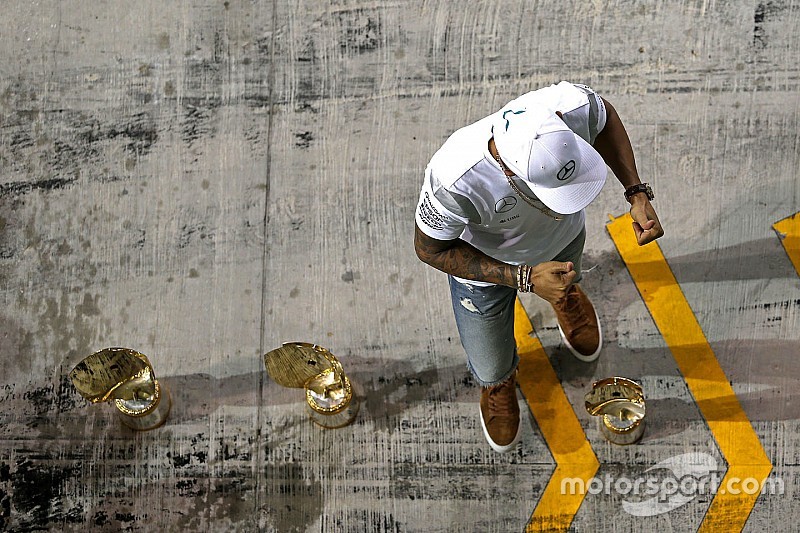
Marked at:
<point>126,377</point>
<point>329,393</point>
<point>619,402</point>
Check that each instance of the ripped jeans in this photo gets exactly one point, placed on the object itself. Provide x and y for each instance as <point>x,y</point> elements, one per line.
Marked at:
<point>485,320</point>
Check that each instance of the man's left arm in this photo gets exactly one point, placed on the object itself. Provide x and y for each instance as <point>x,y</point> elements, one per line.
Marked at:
<point>613,144</point>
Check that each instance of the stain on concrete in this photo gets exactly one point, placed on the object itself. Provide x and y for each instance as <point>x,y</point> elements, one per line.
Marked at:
<point>196,232</point>
<point>759,35</point>
<point>197,121</point>
<point>360,29</point>
<point>304,139</point>
<point>36,500</point>
<point>163,41</point>
<point>19,188</point>
<point>350,276</point>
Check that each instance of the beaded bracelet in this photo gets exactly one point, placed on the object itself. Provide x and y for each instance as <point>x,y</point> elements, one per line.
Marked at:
<point>524,279</point>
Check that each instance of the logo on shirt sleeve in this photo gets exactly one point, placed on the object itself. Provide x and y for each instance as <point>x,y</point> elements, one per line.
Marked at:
<point>429,215</point>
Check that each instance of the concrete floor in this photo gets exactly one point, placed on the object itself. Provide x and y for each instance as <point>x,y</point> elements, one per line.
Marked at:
<point>203,180</point>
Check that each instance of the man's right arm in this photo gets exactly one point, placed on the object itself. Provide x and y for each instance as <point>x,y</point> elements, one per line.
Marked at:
<point>460,259</point>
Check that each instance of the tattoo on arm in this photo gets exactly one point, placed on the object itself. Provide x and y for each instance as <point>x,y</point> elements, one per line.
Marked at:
<point>458,258</point>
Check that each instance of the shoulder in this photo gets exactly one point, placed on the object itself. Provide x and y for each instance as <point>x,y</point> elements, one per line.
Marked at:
<point>461,151</point>
<point>567,96</point>
<point>582,109</point>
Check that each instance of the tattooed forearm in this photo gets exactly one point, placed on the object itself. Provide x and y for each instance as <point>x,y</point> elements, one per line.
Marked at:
<point>458,258</point>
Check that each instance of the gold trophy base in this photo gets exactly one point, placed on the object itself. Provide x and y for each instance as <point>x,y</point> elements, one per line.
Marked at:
<point>337,420</point>
<point>622,432</point>
<point>331,400</point>
<point>149,417</point>
<point>619,404</point>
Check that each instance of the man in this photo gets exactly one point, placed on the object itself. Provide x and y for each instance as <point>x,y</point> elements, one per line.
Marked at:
<point>501,211</point>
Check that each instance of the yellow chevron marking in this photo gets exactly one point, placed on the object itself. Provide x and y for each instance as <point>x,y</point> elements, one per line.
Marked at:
<point>707,382</point>
<point>559,426</point>
<point>789,232</point>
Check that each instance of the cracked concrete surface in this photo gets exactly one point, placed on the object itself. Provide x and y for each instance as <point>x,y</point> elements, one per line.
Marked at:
<point>204,180</point>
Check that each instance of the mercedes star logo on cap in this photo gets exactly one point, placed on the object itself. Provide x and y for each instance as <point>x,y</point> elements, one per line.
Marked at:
<point>566,171</point>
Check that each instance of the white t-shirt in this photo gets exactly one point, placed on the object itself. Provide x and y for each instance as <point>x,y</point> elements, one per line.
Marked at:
<point>466,195</point>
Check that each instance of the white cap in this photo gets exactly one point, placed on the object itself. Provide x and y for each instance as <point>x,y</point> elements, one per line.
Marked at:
<point>561,168</point>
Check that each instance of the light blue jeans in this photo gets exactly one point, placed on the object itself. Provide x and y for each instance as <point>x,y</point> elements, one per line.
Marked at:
<point>485,320</point>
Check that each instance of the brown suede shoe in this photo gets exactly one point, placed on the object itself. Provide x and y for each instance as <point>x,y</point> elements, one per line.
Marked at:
<point>579,326</point>
<point>500,415</point>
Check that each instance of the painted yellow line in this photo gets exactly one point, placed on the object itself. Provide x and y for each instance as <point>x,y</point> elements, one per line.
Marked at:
<point>706,380</point>
<point>789,232</point>
<point>559,426</point>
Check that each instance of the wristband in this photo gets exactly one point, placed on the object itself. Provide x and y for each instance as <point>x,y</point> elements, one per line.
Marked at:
<point>640,187</point>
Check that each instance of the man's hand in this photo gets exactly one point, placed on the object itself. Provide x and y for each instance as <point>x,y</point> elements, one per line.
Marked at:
<point>645,222</point>
<point>552,279</point>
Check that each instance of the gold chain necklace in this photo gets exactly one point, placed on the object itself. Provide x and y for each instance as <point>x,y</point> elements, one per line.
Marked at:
<point>522,195</point>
